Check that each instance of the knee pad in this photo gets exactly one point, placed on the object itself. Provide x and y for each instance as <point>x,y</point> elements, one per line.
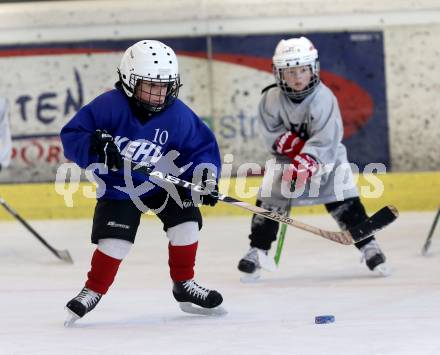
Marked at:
<point>116,248</point>
<point>183,234</point>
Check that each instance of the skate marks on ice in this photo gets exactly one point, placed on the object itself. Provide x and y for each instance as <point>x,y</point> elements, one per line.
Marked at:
<point>315,277</point>
<point>186,314</point>
<point>166,315</point>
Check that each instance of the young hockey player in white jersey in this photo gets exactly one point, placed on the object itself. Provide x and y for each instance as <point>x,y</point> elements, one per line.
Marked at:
<point>300,122</point>
<point>5,135</point>
<point>142,119</point>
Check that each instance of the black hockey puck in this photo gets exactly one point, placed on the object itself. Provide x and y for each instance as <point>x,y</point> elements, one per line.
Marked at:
<point>324,319</point>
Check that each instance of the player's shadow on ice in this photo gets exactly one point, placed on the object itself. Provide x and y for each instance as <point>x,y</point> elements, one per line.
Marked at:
<point>146,320</point>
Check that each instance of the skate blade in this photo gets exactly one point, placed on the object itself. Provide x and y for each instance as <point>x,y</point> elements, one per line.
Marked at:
<point>188,307</point>
<point>250,278</point>
<point>71,318</point>
<point>382,270</point>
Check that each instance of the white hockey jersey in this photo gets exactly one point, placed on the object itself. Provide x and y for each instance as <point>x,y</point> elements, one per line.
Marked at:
<point>5,134</point>
<point>318,120</point>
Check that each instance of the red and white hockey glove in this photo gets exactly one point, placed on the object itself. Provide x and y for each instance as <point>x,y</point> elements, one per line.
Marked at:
<point>301,169</point>
<point>288,144</point>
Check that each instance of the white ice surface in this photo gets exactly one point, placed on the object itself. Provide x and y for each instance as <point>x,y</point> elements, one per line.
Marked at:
<point>396,315</point>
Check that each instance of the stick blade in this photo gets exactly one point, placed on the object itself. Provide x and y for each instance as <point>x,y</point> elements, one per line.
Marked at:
<point>426,248</point>
<point>375,223</point>
<point>65,256</point>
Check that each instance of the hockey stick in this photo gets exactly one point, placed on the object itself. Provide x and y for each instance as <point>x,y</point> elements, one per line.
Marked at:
<point>280,244</point>
<point>376,222</point>
<point>64,255</point>
<point>431,233</point>
<point>282,234</point>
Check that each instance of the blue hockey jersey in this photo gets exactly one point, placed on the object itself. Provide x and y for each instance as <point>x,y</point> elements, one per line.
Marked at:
<point>169,140</point>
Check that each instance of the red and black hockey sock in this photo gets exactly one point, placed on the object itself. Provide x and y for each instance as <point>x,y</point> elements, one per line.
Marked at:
<point>181,261</point>
<point>102,273</point>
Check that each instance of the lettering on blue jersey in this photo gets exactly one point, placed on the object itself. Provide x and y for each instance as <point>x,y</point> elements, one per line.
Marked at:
<point>141,150</point>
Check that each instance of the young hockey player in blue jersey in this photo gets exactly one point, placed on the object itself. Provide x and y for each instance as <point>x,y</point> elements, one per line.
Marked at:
<point>142,120</point>
<point>301,125</point>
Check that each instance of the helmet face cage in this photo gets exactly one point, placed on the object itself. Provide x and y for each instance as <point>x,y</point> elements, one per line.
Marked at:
<point>296,95</point>
<point>151,96</point>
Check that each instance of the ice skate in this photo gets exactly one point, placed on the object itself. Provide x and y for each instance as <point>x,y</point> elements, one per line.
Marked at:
<point>252,263</point>
<point>82,304</point>
<point>375,258</point>
<point>196,299</point>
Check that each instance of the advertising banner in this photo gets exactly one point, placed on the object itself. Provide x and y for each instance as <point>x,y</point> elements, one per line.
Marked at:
<point>222,78</point>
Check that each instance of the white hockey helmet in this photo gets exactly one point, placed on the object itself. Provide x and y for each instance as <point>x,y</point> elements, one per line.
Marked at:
<point>153,62</point>
<point>295,52</point>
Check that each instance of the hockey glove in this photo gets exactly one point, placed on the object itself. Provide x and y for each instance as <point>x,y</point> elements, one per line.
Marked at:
<point>288,144</point>
<point>301,169</point>
<point>104,146</point>
<point>210,186</point>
